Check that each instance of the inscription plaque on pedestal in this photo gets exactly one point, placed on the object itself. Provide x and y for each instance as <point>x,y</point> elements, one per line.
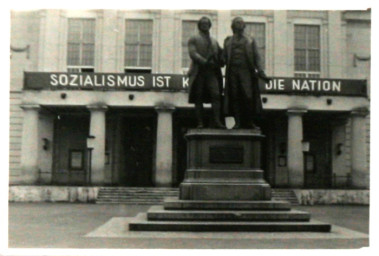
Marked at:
<point>226,154</point>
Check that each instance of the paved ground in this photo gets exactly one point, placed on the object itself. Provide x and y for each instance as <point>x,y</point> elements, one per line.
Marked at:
<point>47,225</point>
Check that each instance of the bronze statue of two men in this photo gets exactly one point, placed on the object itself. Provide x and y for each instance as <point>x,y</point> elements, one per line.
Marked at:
<point>241,96</point>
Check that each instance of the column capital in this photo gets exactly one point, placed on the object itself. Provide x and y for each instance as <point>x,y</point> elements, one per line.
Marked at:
<point>165,108</point>
<point>30,106</point>
<point>360,112</point>
<point>296,111</point>
<point>97,107</point>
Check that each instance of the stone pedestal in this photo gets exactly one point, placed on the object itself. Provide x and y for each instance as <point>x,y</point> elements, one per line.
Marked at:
<point>224,165</point>
<point>224,190</point>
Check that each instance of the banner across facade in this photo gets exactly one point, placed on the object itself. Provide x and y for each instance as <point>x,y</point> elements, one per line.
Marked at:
<point>175,82</point>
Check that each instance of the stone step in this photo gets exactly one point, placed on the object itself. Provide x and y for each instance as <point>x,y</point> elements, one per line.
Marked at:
<point>158,213</point>
<point>138,194</point>
<point>152,201</point>
<point>222,175</point>
<point>285,198</point>
<point>129,202</point>
<point>134,195</point>
<point>225,191</point>
<point>131,198</point>
<point>173,203</point>
<point>140,223</point>
<point>285,194</point>
<point>156,194</point>
<point>139,189</point>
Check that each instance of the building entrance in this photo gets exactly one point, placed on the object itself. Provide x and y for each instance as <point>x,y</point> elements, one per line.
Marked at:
<point>317,161</point>
<point>137,142</point>
<point>70,155</point>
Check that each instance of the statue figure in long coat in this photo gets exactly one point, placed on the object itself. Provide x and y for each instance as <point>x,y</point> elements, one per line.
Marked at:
<point>243,68</point>
<point>205,77</point>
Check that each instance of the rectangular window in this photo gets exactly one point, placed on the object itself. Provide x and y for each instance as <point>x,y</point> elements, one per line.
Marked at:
<point>189,28</point>
<point>258,32</point>
<point>81,45</point>
<point>138,45</point>
<point>307,51</point>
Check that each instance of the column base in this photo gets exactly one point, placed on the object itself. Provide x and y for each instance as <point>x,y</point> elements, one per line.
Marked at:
<point>29,176</point>
<point>360,180</point>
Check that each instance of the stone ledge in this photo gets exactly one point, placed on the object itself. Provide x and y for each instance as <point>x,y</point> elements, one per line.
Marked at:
<point>332,196</point>
<point>32,193</point>
<point>53,194</point>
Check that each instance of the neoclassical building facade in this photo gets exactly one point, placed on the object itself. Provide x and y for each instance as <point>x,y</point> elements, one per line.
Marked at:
<point>99,97</point>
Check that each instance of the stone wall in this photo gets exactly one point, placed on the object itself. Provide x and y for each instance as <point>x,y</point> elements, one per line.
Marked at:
<point>332,196</point>
<point>89,195</point>
<point>52,194</point>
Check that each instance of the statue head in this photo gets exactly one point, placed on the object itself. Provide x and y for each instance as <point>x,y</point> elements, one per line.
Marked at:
<point>204,24</point>
<point>238,25</point>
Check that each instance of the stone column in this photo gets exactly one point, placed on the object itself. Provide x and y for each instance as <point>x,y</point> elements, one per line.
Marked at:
<point>295,159</point>
<point>29,146</point>
<point>97,130</point>
<point>359,168</point>
<point>163,161</point>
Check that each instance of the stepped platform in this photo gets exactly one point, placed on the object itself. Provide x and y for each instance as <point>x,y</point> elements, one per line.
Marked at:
<point>224,190</point>
<point>141,223</point>
<point>157,213</point>
<point>172,203</point>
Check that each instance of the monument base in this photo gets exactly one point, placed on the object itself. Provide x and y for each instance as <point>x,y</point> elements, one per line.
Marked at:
<point>224,165</point>
<point>141,224</point>
<point>210,184</point>
<point>224,190</point>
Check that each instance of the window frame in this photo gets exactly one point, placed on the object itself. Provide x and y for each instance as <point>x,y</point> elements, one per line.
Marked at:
<point>79,68</point>
<point>308,73</point>
<point>133,67</point>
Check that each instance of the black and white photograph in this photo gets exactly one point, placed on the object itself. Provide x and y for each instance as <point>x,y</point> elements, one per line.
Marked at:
<point>202,127</point>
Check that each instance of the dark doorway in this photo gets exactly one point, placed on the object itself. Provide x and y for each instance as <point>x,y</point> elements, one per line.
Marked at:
<point>69,165</point>
<point>317,162</point>
<point>136,157</point>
